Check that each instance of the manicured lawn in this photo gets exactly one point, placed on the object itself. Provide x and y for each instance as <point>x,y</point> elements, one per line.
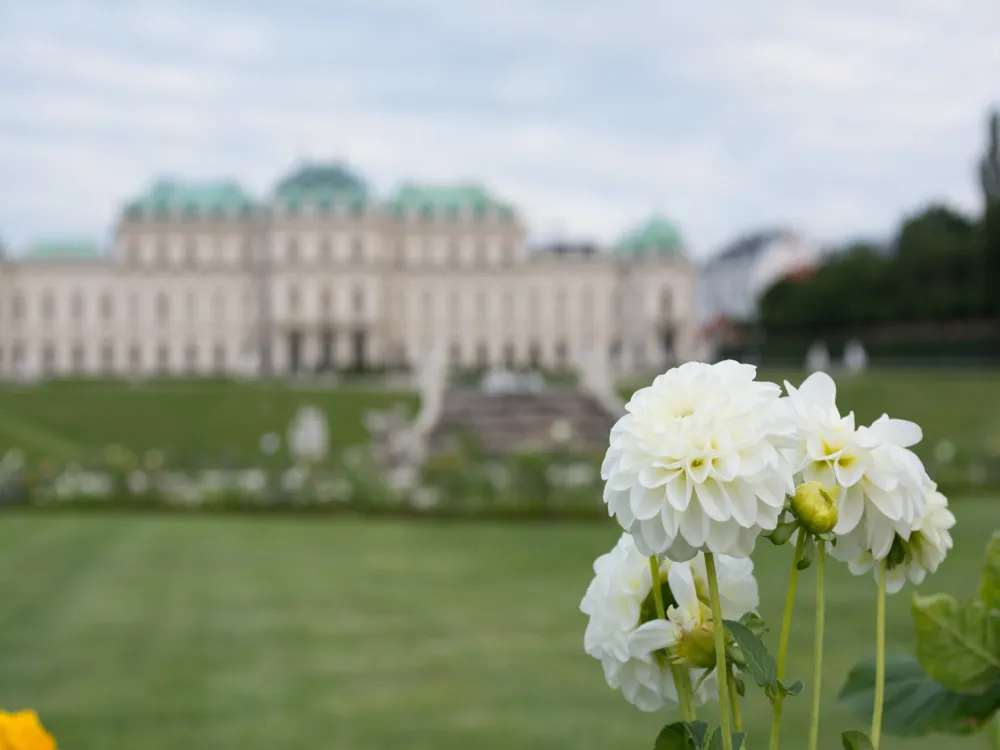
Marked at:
<point>210,420</point>
<point>165,633</point>
<point>198,419</point>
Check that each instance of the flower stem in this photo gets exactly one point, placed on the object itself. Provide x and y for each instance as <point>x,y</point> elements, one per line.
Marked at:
<point>720,651</point>
<point>786,629</point>
<point>818,644</point>
<point>879,658</point>
<point>734,701</point>
<point>682,680</point>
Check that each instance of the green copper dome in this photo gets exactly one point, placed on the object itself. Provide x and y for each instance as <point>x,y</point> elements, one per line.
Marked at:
<point>63,249</point>
<point>431,200</point>
<point>657,236</point>
<point>321,186</point>
<point>169,197</point>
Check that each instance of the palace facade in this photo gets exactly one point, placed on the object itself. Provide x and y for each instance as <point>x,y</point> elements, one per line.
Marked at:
<point>324,276</point>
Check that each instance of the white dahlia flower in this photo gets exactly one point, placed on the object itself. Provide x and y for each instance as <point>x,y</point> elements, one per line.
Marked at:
<point>695,463</point>
<point>634,646</point>
<point>909,559</point>
<point>880,482</point>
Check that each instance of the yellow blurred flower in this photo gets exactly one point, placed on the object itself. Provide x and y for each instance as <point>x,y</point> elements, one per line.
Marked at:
<point>23,731</point>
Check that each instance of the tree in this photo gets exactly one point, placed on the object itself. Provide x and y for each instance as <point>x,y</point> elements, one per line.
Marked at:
<point>989,164</point>
<point>989,178</point>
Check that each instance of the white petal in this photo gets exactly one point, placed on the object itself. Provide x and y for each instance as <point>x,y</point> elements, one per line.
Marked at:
<point>645,503</point>
<point>880,535</point>
<point>743,502</point>
<point>679,492</point>
<point>889,503</point>
<point>651,637</point>
<point>852,504</point>
<point>655,476</point>
<point>713,499</point>
<point>682,586</point>
<point>897,431</point>
<point>851,474</point>
<point>819,390</point>
<point>653,536</point>
<point>723,537</point>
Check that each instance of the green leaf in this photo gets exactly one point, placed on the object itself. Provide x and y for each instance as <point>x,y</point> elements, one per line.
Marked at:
<point>855,740</point>
<point>754,622</point>
<point>989,586</point>
<point>782,533</point>
<point>914,703</point>
<point>794,689</point>
<point>759,663</point>
<point>697,731</point>
<point>682,736</point>
<point>958,644</point>
<point>715,741</point>
<point>808,552</point>
<point>673,737</point>
<point>741,686</point>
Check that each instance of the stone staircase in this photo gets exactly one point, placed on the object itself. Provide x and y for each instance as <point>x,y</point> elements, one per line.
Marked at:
<point>522,421</point>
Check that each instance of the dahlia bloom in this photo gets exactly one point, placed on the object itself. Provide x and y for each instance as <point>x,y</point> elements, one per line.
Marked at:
<point>635,648</point>
<point>695,464</point>
<point>880,482</point>
<point>909,559</point>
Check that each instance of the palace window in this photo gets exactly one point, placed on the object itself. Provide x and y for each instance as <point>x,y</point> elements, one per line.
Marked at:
<point>48,305</point>
<point>292,251</point>
<point>482,356</point>
<point>219,358</point>
<point>562,354</point>
<point>358,299</point>
<point>191,252</point>
<point>162,307</point>
<point>107,306</point>
<point>76,306</point>
<point>48,358</point>
<point>191,357</point>
<point>219,305</point>
<point>163,358</point>
<point>77,356</point>
<point>666,303</point>
<point>358,250</point>
<point>107,357</point>
<point>293,299</point>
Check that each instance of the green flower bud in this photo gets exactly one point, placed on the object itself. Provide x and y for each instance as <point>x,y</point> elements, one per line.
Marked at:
<point>696,648</point>
<point>815,506</point>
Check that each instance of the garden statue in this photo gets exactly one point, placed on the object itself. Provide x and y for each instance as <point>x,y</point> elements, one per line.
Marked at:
<point>855,357</point>
<point>309,435</point>
<point>818,357</point>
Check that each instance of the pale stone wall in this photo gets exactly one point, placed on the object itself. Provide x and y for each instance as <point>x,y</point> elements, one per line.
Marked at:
<point>321,292</point>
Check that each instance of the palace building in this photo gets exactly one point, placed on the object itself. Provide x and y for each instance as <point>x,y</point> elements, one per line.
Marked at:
<point>322,276</point>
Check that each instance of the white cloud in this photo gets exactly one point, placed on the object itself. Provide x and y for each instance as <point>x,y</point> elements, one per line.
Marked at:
<point>836,117</point>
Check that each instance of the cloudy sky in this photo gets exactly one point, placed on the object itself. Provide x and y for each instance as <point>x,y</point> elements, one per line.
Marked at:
<point>833,116</point>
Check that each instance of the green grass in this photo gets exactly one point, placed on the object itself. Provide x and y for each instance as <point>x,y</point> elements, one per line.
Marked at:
<point>165,633</point>
<point>205,418</point>
<point>215,418</point>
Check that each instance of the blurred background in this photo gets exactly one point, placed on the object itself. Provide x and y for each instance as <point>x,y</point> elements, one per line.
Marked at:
<point>314,319</point>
